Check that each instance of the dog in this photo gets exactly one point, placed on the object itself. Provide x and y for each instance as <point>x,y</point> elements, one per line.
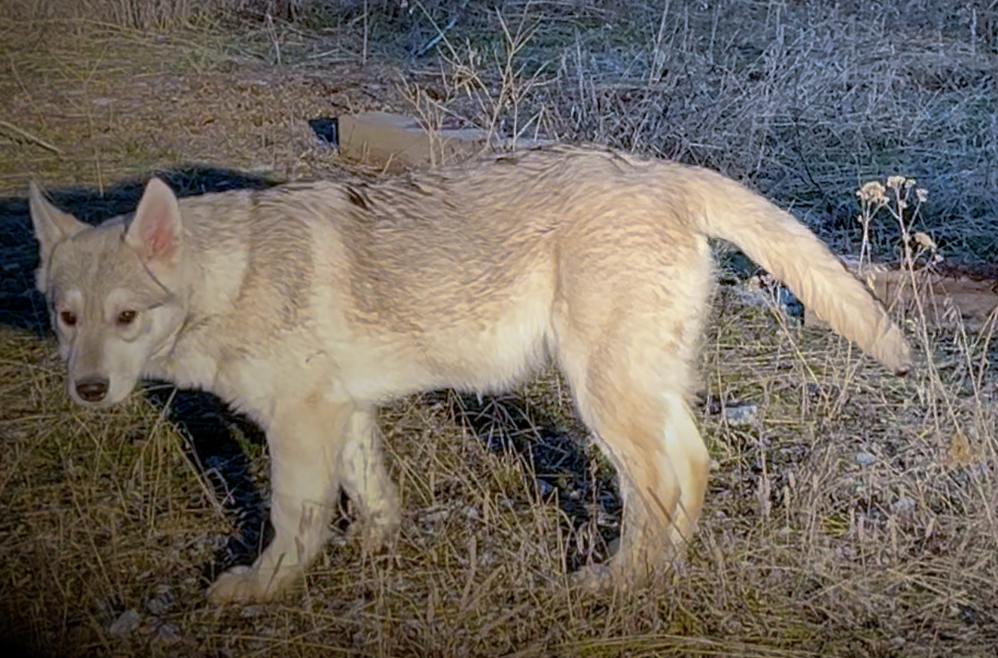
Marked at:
<point>305,305</point>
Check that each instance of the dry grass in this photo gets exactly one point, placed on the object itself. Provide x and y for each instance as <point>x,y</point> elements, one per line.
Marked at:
<point>853,515</point>
<point>147,14</point>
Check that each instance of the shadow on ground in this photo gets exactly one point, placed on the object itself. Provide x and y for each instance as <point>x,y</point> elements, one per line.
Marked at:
<point>584,486</point>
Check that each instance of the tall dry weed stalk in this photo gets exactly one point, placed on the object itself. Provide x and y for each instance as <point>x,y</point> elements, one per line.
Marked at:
<point>495,82</point>
<point>902,201</point>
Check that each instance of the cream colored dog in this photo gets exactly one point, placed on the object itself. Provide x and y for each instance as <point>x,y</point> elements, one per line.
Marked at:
<point>305,305</point>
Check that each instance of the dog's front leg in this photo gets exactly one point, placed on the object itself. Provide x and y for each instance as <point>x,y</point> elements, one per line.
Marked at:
<point>305,442</point>
<point>365,479</point>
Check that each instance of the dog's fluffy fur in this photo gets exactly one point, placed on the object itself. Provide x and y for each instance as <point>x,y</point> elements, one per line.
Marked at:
<point>305,305</point>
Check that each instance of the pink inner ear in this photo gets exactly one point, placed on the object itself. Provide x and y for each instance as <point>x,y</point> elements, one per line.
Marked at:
<point>156,224</point>
<point>158,238</point>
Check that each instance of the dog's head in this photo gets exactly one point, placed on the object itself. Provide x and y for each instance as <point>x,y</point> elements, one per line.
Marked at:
<point>114,291</point>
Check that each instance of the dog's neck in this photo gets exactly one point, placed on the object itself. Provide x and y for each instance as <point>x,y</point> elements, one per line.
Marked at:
<point>214,279</point>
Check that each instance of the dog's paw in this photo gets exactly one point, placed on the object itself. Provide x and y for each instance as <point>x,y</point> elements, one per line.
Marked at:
<point>621,576</point>
<point>616,575</point>
<point>594,578</point>
<point>242,585</point>
<point>376,531</point>
<point>376,534</point>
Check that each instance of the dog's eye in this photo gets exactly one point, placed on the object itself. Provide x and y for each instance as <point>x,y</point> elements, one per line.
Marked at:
<point>126,318</point>
<point>68,318</point>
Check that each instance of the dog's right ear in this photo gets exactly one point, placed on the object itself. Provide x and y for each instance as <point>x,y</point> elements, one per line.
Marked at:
<point>52,226</point>
<point>156,231</point>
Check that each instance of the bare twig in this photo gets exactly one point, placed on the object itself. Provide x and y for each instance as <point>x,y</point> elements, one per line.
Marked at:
<point>28,136</point>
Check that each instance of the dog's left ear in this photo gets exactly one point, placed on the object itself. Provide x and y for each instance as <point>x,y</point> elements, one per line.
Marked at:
<point>156,230</point>
<point>52,226</point>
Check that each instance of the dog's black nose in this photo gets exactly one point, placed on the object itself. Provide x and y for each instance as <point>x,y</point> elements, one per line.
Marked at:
<point>92,389</point>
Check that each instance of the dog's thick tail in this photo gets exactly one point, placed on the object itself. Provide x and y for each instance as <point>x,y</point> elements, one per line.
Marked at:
<point>792,253</point>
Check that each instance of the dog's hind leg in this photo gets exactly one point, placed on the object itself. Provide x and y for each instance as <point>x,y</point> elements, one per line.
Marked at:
<point>366,481</point>
<point>662,466</point>
<point>629,367</point>
<point>306,441</point>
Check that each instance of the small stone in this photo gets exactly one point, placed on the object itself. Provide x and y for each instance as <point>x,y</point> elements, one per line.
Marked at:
<point>744,414</point>
<point>160,603</point>
<point>436,516</point>
<point>864,458</point>
<point>125,623</point>
<point>168,634</point>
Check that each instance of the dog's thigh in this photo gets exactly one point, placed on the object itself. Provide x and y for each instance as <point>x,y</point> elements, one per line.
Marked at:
<point>305,445</point>
<point>365,479</point>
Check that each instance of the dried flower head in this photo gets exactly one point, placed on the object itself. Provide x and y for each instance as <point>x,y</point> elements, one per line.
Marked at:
<point>921,194</point>
<point>872,192</point>
<point>925,241</point>
<point>895,182</point>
